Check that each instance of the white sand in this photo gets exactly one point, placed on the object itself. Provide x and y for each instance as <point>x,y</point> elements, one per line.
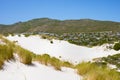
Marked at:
<point>67,51</point>
<point>18,71</point>
<point>14,70</point>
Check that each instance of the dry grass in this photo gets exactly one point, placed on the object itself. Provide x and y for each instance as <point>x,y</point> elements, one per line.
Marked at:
<point>91,71</point>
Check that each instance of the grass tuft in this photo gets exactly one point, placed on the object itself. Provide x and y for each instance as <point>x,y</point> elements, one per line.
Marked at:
<point>25,55</point>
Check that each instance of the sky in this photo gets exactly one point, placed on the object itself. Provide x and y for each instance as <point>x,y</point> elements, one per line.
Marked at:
<point>12,11</point>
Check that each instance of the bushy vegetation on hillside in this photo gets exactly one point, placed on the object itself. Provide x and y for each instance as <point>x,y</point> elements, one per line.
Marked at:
<point>113,59</point>
<point>58,26</point>
<point>89,39</point>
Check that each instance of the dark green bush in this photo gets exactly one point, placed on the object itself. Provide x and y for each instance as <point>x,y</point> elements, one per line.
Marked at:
<point>116,46</point>
<point>51,42</point>
<point>26,35</point>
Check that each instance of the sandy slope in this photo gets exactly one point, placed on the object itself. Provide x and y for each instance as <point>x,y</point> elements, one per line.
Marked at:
<point>64,49</point>
<point>15,70</point>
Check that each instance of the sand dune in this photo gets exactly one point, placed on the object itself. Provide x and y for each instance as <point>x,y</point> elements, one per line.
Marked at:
<point>67,51</point>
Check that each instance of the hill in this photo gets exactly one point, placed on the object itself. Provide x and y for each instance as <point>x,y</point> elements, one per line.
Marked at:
<point>59,26</point>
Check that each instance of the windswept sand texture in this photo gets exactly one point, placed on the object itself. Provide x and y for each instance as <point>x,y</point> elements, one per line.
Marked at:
<point>18,71</point>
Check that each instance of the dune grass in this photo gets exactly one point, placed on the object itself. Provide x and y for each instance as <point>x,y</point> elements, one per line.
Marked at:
<point>25,55</point>
<point>1,64</point>
<point>91,71</point>
<point>52,61</point>
<point>6,53</point>
<point>56,63</point>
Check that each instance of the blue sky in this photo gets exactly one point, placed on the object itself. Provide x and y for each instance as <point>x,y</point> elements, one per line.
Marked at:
<point>12,11</point>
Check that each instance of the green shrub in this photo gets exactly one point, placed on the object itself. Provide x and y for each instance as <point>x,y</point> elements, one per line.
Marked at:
<point>12,34</point>
<point>116,46</point>
<point>26,35</point>
<point>51,42</point>
<point>19,35</point>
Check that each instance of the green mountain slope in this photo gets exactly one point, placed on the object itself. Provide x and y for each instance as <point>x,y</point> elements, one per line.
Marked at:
<point>58,26</point>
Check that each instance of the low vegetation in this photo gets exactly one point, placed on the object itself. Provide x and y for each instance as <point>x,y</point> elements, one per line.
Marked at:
<point>89,39</point>
<point>91,71</point>
<point>26,35</point>
<point>1,64</point>
<point>25,55</point>
<point>117,46</point>
<point>47,36</point>
<point>6,51</point>
<point>55,62</point>
<point>113,59</point>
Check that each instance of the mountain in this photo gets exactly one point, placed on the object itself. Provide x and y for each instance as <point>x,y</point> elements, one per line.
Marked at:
<point>60,26</point>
